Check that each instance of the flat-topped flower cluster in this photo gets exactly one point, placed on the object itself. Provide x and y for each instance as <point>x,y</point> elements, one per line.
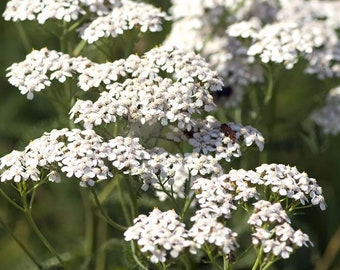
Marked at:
<point>107,18</point>
<point>236,37</point>
<point>165,86</point>
<point>217,197</point>
<point>328,117</point>
<point>173,89</point>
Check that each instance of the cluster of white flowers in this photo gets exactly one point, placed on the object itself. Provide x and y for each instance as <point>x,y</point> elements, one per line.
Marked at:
<point>328,117</point>
<point>40,67</point>
<point>245,185</point>
<point>129,15</point>
<point>213,196</point>
<point>312,10</point>
<point>207,229</point>
<point>283,41</point>
<point>276,31</point>
<point>325,60</point>
<point>265,10</point>
<point>288,181</point>
<point>216,199</point>
<point>163,168</point>
<point>169,86</point>
<point>193,166</point>
<point>273,232</point>
<point>215,204</point>
<point>126,154</point>
<point>146,96</point>
<point>162,99</point>
<point>199,8</point>
<point>209,136</point>
<point>66,10</point>
<point>174,173</point>
<point>303,28</point>
<point>110,18</point>
<point>183,65</point>
<point>201,25</point>
<point>229,57</point>
<point>160,234</point>
<point>77,153</point>
<point>216,196</point>
<point>265,212</point>
<point>85,155</point>
<point>200,165</point>
<point>15,163</point>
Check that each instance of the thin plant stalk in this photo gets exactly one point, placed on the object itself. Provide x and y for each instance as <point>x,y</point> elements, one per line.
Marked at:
<point>20,244</point>
<point>104,214</point>
<point>126,214</point>
<point>135,257</point>
<point>30,219</point>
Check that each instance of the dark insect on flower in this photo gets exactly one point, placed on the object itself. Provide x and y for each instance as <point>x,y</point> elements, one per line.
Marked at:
<point>221,96</point>
<point>227,131</point>
<point>189,133</point>
<point>231,257</point>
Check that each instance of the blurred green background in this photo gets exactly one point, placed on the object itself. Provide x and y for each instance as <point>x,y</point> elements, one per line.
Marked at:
<point>59,208</point>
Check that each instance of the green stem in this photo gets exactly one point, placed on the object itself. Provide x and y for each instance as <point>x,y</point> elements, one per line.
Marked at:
<point>207,250</point>
<point>63,41</point>
<point>104,214</point>
<point>100,239</point>
<point>226,264</point>
<point>21,245</point>
<point>161,266</point>
<point>269,91</point>
<point>88,210</point>
<point>258,259</point>
<point>170,195</point>
<point>17,206</point>
<point>133,198</point>
<point>77,50</point>
<point>30,219</point>
<point>99,48</point>
<point>126,215</point>
<point>23,36</point>
<point>269,264</point>
<point>107,191</point>
<point>128,41</point>
<point>187,206</point>
<point>44,240</point>
<point>116,129</point>
<point>135,257</point>
<point>75,25</point>
<point>255,105</point>
<point>244,252</point>
<point>267,113</point>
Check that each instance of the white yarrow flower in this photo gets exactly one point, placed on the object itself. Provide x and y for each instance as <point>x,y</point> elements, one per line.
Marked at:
<point>206,229</point>
<point>67,10</point>
<point>77,153</point>
<point>223,140</point>
<point>147,96</point>
<point>328,117</point>
<point>125,17</point>
<point>41,67</point>
<point>272,230</point>
<point>289,182</point>
<point>159,235</point>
